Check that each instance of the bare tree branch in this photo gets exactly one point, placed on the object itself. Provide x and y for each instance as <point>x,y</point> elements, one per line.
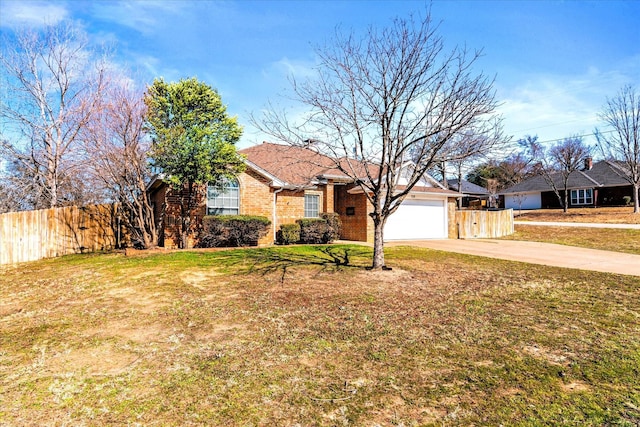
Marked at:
<point>116,148</point>
<point>622,115</point>
<point>54,82</point>
<point>385,100</point>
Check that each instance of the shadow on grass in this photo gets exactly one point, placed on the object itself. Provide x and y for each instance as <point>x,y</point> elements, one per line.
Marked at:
<point>282,259</point>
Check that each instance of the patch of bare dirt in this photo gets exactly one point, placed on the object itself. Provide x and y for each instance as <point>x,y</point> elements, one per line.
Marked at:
<point>575,386</point>
<point>145,302</point>
<point>123,329</point>
<point>199,279</point>
<point>396,275</point>
<point>220,332</point>
<point>508,392</point>
<point>103,359</point>
<point>553,358</point>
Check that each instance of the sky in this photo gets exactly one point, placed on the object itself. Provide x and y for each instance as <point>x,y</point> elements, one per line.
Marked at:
<point>554,62</point>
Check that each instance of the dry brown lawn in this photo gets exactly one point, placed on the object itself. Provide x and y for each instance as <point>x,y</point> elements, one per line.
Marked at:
<point>294,337</point>
<point>606,239</point>
<point>615,215</point>
<point>609,239</point>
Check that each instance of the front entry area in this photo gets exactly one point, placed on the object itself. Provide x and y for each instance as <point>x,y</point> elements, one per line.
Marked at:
<point>418,219</point>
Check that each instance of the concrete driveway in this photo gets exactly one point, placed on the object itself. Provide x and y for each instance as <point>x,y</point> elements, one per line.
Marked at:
<point>536,253</point>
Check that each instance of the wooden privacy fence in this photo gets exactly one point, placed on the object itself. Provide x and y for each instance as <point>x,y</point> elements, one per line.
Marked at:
<point>33,235</point>
<point>484,224</point>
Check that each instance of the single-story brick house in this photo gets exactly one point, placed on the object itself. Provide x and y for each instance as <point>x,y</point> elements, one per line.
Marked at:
<point>598,184</point>
<point>285,183</point>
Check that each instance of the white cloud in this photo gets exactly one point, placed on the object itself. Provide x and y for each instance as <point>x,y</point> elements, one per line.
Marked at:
<point>285,67</point>
<point>149,64</point>
<point>32,13</point>
<point>558,106</point>
<point>142,16</point>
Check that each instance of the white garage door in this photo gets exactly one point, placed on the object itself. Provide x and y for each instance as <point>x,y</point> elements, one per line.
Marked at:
<point>417,219</point>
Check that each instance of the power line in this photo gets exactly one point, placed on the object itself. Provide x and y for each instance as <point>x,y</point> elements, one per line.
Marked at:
<point>557,124</point>
<point>573,136</point>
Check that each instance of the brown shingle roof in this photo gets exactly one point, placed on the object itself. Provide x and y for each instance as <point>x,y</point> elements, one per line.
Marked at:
<point>292,165</point>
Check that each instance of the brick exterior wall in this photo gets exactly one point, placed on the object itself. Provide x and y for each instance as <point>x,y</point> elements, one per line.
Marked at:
<point>359,226</point>
<point>256,198</point>
<point>328,197</point>
<point>289,207</point>
<point>166,202</point>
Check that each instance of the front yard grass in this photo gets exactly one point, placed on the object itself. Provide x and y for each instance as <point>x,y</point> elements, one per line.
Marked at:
<point>307,336</point>
<point>607,239</point>
<point>610,215</point>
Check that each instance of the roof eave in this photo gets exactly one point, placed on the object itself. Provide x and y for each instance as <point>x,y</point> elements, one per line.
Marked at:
<point>275,181</point>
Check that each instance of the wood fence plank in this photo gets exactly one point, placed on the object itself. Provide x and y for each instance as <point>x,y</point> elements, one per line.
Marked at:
<point>484,224</point>
<point>46,233</point>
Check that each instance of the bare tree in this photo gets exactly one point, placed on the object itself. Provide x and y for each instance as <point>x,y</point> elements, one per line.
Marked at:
<point>622,144</point>
<point>392,96</point>
<point>116,148</point>
<point>53,83</point>
<point>10,200</point>
<point>464,152</point>
<point>496,175</point>
<point>557,163</point>
<point>520,198</point>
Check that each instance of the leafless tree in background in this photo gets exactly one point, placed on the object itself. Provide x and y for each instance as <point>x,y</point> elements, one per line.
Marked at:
<point>116,150</point>
<point>388,98</point>
<point>52,86</point>
<point>558,162</point>
<point>622,144</point>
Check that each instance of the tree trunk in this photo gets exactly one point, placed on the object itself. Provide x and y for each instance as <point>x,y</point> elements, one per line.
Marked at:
<point>565,206</point>
<point>378,245</point>
<point>52,182</point>
<point>184,234</point>
<point>636,203</point>
<point>185,213</point>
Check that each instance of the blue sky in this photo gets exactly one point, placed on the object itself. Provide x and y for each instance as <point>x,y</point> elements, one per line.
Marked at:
<point>554,62</point>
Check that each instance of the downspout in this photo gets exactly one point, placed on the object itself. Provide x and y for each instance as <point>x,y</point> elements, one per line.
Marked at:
<point>274,215</point>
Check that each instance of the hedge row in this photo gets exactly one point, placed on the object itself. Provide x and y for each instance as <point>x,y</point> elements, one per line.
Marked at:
<point>325,229</point>
<point>232,230</point>
<point>246,230</point>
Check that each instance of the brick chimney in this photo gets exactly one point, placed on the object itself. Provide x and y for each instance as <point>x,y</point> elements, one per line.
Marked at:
<point>588,163</point>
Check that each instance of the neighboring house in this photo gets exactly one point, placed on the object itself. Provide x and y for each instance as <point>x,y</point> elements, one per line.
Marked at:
<point>285,183</point>
<point>472,194</point>
<point>599,184</point>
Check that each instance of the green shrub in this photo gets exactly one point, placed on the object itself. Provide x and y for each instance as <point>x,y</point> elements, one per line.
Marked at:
<point>232,230</point>
<point>288,234</point>
<point>335,226</point>
<point>320,230</point>
<point>627,200</point>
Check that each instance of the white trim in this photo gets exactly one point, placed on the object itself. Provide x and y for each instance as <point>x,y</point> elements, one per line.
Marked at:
<point>584,196</point>
<point>317,194</point>
<point>275,182</point>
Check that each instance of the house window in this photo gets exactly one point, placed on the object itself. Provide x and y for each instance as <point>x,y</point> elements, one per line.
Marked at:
<point>223,198</point>
<point>582,197</point>
<point>311,205</point>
